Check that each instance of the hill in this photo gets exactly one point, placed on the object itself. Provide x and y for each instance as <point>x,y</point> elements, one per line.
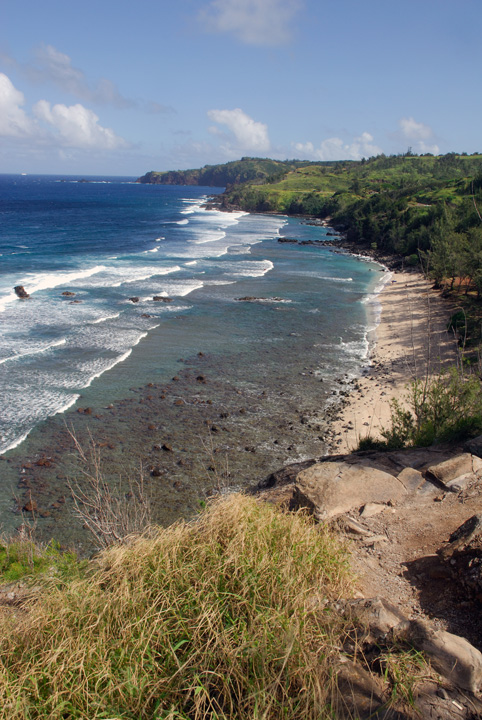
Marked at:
<point>252,170</point>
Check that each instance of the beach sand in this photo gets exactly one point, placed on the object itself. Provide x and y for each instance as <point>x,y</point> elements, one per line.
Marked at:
<point>410,341</point>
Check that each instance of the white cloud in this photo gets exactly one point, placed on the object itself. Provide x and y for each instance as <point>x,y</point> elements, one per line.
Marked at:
<point>14,122</point>
<point>419,133</point>
<point>336,149</point>
<point>249,135</point>
<point>414,130</point>
<point>63,126</point>
<point>77,126</point>
<point>255,22</point>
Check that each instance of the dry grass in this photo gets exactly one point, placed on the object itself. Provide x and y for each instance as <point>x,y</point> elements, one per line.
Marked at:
<point>225,617</point>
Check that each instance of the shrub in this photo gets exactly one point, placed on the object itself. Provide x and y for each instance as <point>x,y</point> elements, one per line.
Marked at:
<point>447,408</point>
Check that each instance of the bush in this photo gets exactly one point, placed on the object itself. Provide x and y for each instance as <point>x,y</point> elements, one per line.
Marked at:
<point>447,408</point>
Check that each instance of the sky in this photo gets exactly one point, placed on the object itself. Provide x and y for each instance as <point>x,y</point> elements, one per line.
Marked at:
<point>110,87</point>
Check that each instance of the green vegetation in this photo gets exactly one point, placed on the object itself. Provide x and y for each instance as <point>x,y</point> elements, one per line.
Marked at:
<point>226,617</point>
<point>252,170</point>
<point>446,408</point>
<point>426,209</point>
<point>406,204</point>
<point>23,559</point>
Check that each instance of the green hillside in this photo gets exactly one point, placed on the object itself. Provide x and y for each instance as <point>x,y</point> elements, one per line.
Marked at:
<point>252,170</point>
<point>417,206</point>
<point>425,208</point>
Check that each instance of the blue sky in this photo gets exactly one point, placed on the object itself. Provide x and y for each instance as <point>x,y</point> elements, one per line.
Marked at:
<point>113,87</point>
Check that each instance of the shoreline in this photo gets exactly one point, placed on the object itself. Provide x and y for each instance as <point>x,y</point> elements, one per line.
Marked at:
<point>411,340</point>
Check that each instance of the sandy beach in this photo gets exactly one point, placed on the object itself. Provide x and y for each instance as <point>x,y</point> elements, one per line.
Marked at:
<point>410,341</point>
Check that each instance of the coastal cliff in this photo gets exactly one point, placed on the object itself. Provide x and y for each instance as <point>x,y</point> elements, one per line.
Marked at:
<point>254,170</point>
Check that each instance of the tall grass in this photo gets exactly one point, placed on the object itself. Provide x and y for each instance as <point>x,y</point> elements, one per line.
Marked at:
<point>225,617</point>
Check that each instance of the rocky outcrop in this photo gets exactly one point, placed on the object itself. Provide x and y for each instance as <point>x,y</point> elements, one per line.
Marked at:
<point>21,292</point>
<point>333,488</point>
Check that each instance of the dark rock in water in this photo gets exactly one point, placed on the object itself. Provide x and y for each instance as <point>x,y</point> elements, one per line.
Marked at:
<point>75,302</point>
<point>145,315</point>
<point>134,299</point>
<point>67,293</point>
<point>161,298</point>
<point>30,506</point>
<point>21,292</point>
<point>44,462</point>
<point>287,240</point>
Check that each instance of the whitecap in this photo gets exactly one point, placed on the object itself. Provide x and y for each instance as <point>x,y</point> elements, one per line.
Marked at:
<point>104,319</point>
<point>18,356</point>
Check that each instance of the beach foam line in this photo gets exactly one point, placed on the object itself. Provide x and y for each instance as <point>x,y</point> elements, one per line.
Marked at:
<point>116,361</point>
<point>17,441</point>
<point>18,356</point>
<point>182,222</point>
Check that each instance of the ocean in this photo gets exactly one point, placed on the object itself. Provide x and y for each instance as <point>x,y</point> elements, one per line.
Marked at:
<point>133,285</point>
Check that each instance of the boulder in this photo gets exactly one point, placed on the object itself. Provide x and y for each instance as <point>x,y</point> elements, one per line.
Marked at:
<point>376,616</point>
<point>134,299</point>
<point>451,469</point>
<point>68,293</point>
<point>452,656</point>
<point>162,298</point>
<point>474,446</point>
<point>371,509</point>
<point>412,479</point>
<point>360,693</point>
<point>462,537</point>
<point>21,292</point>
<point>333,488</point>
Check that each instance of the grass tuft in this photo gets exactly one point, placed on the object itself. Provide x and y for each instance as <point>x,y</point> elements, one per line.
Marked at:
<point>225,617</point>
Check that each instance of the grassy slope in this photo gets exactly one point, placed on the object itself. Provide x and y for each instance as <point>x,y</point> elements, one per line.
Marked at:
<point>228,617</point>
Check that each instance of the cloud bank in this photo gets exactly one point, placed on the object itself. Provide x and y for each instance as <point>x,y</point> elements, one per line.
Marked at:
<point>254,22</point>
<point>336,149</point>
<point>73,126</point>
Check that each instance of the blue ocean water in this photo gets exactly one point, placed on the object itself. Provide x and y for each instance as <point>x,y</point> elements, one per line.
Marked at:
<point>107,240</point>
